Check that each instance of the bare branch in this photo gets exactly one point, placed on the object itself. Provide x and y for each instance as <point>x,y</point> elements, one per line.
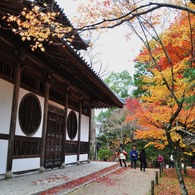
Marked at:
<point>134,13</point>
<point>187,132</point>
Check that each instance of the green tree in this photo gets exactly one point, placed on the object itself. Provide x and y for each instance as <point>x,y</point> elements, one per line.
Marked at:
<point>116,130</point>
<point>141,69</point>
<point>120,83</point>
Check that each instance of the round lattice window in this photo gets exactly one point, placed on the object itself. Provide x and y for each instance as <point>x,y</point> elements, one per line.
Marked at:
<point>29,114</point>
<point>72,125</point>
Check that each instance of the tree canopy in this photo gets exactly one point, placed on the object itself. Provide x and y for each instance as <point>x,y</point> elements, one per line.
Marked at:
<point>120,83</point>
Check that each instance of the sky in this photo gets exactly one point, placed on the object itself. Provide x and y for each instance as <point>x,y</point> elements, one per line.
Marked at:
<point>116,53</point>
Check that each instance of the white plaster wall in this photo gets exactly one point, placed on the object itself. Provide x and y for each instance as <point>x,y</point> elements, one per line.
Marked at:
<point>83,157</point>
<point>6,94</point>
<point>76,137</point>
<point>18,129</point>
<point>3,155</point>
<point>25,164</point>
<point>70,159</point>
<point>84,128</point>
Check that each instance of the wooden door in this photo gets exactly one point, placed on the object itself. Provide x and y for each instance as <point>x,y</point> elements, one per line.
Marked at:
<point>54,152</point>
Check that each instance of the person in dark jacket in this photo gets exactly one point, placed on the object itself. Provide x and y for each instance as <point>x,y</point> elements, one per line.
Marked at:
<point>134,157</point>
<point>143,159</point>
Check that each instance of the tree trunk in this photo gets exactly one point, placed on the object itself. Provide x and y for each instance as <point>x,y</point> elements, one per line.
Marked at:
<point>93,136</point>
<point>185,164</point>
<point>177,157</point>
<point>122,139</point>
<point>181,180</point>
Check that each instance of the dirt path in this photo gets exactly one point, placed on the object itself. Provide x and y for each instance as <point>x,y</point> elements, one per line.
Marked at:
<point>124,181</point>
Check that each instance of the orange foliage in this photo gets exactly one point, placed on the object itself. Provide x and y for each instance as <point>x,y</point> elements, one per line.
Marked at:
<point>154,119</point>
<point>156,109</point>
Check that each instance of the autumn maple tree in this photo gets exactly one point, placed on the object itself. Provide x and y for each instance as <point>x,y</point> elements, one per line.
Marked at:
<point>162,111</point>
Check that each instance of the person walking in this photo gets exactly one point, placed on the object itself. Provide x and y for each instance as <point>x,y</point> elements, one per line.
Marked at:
<point>143,159</point>
<point>134,157</point>
<point>160,161</point>
<point>122,157</point>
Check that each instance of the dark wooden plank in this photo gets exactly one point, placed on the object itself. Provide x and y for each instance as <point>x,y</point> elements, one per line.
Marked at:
<point>25,138</point>
<point>44,129</point>
<point>68,154</point>
<point>14,111</point>
<point>25,156</point>
<point>65,125</point>
<point>4,136</point>
<point>79,131</point>
<point>89,138</point>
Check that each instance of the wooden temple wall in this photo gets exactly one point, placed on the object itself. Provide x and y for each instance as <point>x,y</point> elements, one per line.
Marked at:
<point>22,151</point>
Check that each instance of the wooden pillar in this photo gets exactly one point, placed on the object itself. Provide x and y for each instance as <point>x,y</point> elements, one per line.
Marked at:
<point>65,128</point>
<point>156,177</point>
<point>44,129</point>
<point>89,139</point>
<point>152,187</point>
<point>79,132</point>
<point>17,75</point>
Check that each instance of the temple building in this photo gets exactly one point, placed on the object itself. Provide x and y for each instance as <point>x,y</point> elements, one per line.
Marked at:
<point>46,99</point>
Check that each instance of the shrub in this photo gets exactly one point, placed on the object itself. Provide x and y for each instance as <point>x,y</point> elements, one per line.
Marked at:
<point>104,154</point>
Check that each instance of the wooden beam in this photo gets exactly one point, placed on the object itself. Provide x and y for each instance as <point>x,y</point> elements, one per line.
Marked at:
<point>89,139</point>
<point>79,132</point>
<point>44,129</point>
<point>65,127</point>
<point>12,129</point>
<point>4,136</point>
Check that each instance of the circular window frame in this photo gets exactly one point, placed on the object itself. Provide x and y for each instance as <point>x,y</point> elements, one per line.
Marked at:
<point>68,120</point>
<point>19,117</point>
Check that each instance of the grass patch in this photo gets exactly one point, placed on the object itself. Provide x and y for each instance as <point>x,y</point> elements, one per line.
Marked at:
<point>169,184</point>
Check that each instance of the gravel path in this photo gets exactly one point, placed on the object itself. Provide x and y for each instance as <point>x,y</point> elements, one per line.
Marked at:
<point>125,181</point>
<point>37,182</point>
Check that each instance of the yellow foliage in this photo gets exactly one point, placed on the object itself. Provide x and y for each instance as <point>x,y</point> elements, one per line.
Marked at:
<point>189,154</point>
<point>36,27</point>
<point>127,140</point>
<point>156,145</point>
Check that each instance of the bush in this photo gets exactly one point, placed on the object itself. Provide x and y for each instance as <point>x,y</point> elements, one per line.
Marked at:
<point>104,154</point>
